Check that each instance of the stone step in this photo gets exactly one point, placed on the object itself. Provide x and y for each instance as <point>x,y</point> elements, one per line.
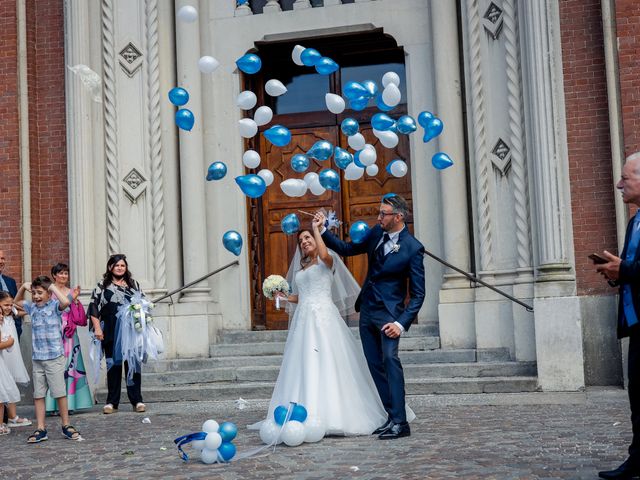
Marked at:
<point>263,390</point>
<point>270,373</point>
<point>407,357</point>
<point>277,348</point>
<point>245,336</point>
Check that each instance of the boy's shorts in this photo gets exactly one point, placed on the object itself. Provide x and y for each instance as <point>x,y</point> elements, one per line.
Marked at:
<point>49,374</point>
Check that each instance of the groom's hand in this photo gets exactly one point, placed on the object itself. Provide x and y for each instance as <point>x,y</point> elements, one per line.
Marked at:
<point>391,330</point>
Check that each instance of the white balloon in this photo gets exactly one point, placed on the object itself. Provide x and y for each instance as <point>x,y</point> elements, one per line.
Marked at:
<point>293,187</point>
<point>209,456</point>
<point>248,128</point>
<point>353,172</point>
<point>310,177</point>
<point>266,175</point>
<point>388,139</point>
<point>251,159</point>
<point>210,426</point>
<point>246,100</point>
<point>391,95</point>
<point>188,14</point>
<point>208,64</point>
<point>212,441</point>
<point>275,88</point>
<point>295,55</point>
<point>377,133</point>
<point>368,155</point>
<point>314,429</point>
<point>390,77</point>
<point>398,168</point>
<point>293,433</point>
<point>316,188</point>
<point>335,103</point>
<point>372,170</point>
<point>263,115</point>
<point>357,141</point>
<point>197,444</point>
<point>269,430</point>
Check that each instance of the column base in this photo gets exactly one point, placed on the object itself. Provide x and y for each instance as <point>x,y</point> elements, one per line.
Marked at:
<point>457,318</point>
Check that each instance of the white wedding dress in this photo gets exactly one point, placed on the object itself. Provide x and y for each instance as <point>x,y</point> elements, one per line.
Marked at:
<point>323,366</point>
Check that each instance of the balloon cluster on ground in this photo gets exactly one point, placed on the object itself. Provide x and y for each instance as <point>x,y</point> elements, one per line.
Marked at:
<point>292,426</point>
<point>213,443</point>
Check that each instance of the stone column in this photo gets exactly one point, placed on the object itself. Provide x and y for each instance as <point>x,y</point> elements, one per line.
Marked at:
<point>455,309</point>
<point>192,168</point>
<point>558,320</point>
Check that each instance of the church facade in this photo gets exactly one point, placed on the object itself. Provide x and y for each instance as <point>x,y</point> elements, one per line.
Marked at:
<point>539,109</point>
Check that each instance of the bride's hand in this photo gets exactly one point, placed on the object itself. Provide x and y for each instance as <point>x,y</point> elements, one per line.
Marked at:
<point>282,296</point>
<point>318,220</point>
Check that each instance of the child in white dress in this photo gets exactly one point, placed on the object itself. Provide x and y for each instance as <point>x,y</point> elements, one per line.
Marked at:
<point>11,356</point>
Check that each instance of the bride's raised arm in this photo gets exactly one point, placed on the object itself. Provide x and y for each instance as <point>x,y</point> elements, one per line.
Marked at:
<point>323,251</point>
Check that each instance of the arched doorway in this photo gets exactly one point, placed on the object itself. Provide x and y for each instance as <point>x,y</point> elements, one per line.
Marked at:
<point>361,57</point>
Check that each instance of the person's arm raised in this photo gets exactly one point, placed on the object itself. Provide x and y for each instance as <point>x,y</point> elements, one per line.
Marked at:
<point>63,300</point>
<point>323,251</point>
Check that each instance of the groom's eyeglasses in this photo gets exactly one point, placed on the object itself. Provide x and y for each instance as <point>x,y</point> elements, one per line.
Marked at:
<point>384,214</point>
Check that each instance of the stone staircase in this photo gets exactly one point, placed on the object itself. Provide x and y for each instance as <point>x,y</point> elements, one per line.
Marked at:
<point>245,364</point>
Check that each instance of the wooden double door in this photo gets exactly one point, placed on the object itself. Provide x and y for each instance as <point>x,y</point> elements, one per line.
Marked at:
<point>357,200</point>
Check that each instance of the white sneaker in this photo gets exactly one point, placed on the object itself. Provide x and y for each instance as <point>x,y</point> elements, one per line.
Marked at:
<point>140,407</point>
<point>107,409</point>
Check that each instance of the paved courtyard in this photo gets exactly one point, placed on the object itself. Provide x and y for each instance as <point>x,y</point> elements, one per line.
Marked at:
<point>507,436</point>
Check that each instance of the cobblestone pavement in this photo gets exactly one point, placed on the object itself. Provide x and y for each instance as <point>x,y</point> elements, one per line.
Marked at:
<point>509,436</point>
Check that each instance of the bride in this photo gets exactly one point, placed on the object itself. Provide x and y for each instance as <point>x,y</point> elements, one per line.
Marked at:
<point>323,366</point>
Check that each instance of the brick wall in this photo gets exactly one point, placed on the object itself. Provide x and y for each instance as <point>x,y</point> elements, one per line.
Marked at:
<point>628,25</point>
<point>592,196</point>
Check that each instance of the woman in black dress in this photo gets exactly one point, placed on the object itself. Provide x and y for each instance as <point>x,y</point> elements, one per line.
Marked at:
<point>116,289</point>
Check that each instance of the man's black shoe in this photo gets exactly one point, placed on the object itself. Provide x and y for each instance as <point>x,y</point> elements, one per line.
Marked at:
<point>627,470</point>
<point>397,430</point>
<point>383,428</point>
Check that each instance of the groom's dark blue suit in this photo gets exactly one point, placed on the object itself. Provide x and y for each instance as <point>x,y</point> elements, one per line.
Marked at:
<point>382,301</point>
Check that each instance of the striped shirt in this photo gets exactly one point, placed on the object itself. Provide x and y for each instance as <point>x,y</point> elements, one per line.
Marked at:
<point>46,330</point>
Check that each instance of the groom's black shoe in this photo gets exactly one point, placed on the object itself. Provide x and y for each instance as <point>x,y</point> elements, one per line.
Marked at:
<point>629,469</point>
<point>387,425</point>
<point>397,430</point>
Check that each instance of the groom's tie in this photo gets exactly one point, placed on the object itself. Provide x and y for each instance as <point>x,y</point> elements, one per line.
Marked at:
<point>380,250</point>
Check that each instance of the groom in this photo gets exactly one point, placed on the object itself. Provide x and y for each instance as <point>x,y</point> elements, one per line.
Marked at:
<point>395,265</point>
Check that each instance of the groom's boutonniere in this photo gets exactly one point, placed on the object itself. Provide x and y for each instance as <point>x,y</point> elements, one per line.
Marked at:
<point>395,248</point>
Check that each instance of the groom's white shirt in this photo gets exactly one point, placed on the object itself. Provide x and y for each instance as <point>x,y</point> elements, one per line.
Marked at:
<point>393,239</point>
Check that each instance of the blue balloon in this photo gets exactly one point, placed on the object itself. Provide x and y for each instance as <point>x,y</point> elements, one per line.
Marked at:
<point>406,125</point>
<point>249,63</point>
<point>326,66</point>
<point>342,158</point>
<point>278,135</point>
<point>178,96</point>
<point>216,171</point>
<point>280,414</point>
<point>299,413</point>
<point>290,224</point>
<point>353,90</point>
<point>321,150</point>
<point>432,129</point>
<point>359,231</point>
<point>226,451</point>
<point>359,104</point>
<point>232,241</point>
<point>185,119</point>
<point>349,126</point>
<point>382,121</point>
<point>381,105</point>
<point>356,160</point>
<point>251,185</point>
<point>424,117</point>
<point>441,161</point>
<point>228,431</point>
<point>330,179</point>
<point>299,162</point>
<point>371,87</point>
<point>310,56</point>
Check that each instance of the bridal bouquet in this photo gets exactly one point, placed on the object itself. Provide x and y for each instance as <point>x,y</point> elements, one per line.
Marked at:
<point>273,284</point>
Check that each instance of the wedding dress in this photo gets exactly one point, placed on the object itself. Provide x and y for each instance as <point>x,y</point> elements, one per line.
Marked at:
<point>323,366</point>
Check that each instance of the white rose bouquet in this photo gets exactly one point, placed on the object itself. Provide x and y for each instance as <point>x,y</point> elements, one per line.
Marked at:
<point>274,284</point>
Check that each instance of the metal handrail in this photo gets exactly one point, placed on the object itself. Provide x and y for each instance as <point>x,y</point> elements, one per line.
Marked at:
<point>197,280</point>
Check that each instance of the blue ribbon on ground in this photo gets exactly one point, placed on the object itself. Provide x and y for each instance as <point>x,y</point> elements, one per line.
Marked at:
<point>183,440</point>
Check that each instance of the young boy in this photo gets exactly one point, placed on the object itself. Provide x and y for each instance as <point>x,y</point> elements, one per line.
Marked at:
<point>48,354</point>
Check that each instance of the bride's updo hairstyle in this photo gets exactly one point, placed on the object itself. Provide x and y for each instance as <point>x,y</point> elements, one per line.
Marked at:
<point>304,259</point>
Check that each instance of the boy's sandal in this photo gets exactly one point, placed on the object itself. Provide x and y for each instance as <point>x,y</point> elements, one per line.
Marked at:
<point>4,430</point>
<point>19,422</point>
<point>70,432</point>
<point>38,436</point>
